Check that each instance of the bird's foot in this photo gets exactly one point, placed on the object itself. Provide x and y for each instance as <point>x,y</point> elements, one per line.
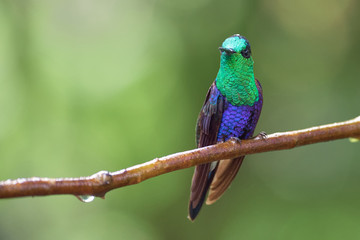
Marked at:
<point>235,140</point>
<point>261,135</point>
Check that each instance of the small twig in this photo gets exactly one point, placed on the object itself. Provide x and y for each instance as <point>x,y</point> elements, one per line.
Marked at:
<point>102,182</point>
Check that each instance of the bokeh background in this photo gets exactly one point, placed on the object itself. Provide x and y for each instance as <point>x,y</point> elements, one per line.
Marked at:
<point>104,85</point>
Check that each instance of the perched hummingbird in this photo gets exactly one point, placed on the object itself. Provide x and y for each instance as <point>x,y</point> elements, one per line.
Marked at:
<point>231,110</point>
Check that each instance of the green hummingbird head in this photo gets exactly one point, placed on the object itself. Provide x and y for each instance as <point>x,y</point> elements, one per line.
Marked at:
<point>236,45</point>
<point>235,78</point>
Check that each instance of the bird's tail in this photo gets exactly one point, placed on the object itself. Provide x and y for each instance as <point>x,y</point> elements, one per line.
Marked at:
<point>225,173</point>
<point>201,182</point>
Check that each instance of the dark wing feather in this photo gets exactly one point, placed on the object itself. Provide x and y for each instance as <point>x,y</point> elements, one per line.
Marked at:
<point>209,118</point>
<point>227,169</point>
<point>207,128</point>
<point>258,85</point>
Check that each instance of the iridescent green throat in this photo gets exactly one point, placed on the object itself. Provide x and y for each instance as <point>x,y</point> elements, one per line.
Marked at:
<point>236,81</point>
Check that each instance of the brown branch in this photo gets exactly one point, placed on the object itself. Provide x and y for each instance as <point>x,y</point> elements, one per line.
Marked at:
<point>103,181</point>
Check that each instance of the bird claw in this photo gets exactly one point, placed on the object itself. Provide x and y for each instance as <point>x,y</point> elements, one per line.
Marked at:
<point>235,140</point>
<point>262,135</point>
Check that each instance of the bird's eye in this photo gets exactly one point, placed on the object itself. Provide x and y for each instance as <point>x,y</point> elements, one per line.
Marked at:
<point>246,52</point>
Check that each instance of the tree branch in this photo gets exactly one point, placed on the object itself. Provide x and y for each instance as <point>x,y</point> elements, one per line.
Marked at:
<point>102,182</point>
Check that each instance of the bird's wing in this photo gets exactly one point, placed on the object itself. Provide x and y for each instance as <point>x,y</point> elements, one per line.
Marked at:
<point>209,118</point>
<point>207,128</point>
<point>227,169</point>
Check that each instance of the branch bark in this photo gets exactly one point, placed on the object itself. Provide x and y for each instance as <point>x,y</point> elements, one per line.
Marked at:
<point>102,182</point>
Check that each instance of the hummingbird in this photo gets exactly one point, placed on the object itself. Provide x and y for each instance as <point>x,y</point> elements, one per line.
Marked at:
<point>231,110</point>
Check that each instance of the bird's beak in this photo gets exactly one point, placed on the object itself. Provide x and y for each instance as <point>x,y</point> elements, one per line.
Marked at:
<point>227,50</point>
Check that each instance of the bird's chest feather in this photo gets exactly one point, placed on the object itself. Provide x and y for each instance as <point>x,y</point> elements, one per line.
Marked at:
<point>236,122</point>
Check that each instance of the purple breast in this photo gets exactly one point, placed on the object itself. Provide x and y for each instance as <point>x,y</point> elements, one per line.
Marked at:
<point>239,121</point>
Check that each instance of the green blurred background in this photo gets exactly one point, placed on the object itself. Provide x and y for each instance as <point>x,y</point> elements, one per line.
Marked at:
<point>104,85</point>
